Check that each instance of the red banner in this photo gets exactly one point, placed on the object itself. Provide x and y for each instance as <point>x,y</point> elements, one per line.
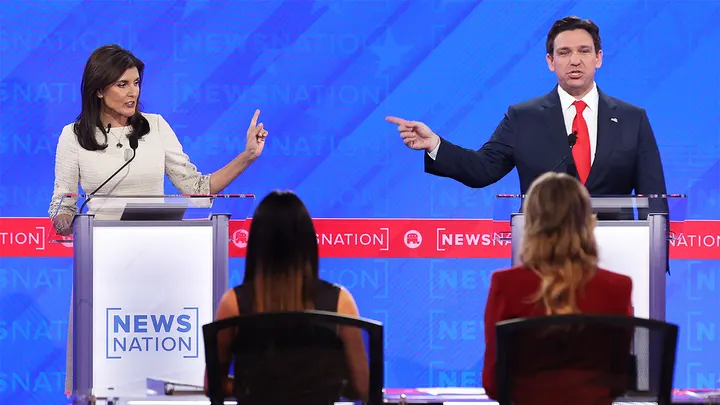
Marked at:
<point>376,238</point>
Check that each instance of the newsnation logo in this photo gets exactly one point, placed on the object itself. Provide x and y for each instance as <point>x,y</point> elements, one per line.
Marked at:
<point>129,333</point>
<point>376,238</point>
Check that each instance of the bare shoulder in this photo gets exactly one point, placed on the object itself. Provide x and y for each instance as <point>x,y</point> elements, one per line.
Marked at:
<point>346,303</point>
<point>228,306</point>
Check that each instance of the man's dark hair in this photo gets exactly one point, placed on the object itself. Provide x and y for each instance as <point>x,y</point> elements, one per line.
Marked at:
<point>569,24</point>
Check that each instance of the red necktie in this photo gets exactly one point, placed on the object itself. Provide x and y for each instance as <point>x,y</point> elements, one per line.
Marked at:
<point>581,150</point>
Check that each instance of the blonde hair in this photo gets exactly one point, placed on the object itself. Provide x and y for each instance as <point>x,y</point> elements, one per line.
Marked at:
<point>559,240</point>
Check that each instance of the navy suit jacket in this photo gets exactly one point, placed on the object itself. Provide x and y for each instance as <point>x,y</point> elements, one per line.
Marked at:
<point>532,137</point>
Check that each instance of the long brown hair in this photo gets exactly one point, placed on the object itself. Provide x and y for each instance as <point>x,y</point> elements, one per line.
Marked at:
<point>104,66</point>
<point>559,240</point>
<point>282,261</point>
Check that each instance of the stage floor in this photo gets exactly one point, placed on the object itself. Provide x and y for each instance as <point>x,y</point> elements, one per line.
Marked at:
<point>454,396</point>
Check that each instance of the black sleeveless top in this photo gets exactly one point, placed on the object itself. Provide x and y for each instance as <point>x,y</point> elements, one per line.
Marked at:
<point>326,297</point>
<point>302,365</point>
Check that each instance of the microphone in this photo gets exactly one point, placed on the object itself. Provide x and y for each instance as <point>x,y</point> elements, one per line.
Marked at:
<point>130,153</point>
<point>572,139</point>
<point>129,156</point>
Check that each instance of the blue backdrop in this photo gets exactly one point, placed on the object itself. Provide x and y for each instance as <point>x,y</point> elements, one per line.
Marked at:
<point>325,74</point>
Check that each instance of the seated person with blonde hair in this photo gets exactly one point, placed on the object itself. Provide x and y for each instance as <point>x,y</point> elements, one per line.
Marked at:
<point>281,274</point>
<point>559,275</point>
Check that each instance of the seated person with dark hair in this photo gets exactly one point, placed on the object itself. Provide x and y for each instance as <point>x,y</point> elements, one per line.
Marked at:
<point>310,363</point>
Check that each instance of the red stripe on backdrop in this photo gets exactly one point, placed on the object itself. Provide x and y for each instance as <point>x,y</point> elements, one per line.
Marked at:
<point>376,238</point>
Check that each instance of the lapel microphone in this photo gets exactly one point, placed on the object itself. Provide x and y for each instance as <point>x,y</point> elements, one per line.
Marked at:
<point>572,139</point>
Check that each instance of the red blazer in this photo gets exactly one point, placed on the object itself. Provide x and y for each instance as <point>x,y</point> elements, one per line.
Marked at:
<point>606,293</point>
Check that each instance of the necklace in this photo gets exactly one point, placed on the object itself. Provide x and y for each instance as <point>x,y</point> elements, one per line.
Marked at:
<point>119,139</point>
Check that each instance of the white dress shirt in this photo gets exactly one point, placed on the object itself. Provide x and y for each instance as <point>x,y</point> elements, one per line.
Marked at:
<point>590,114</point>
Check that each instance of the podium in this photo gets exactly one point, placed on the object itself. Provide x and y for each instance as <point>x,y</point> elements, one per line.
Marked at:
<point>633,235</point>
<point>149,272</point>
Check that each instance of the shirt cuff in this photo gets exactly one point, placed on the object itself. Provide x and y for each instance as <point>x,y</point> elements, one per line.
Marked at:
<point>433,153</point>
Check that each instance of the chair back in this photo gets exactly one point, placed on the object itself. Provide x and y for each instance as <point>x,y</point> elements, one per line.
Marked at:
<point>584,358</point>
<point>293,358</point>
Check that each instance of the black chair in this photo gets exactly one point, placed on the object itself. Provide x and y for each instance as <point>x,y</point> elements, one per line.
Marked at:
<point>292,358</point>
<point>585,357</point>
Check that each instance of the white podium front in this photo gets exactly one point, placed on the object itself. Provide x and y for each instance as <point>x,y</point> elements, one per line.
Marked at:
<point>145,282</point>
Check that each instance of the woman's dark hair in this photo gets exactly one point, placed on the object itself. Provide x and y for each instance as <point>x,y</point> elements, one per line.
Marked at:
<point>281,264</point>
<point>104,66</point>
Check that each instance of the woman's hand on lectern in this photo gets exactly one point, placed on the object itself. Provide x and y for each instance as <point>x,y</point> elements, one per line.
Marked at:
<point>416,135</point>
<point>256,134</point>
<point>63,224</point>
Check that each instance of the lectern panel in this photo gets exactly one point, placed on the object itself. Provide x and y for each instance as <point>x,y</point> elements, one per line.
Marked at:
<point>625,249</point>
<point>152,292</point>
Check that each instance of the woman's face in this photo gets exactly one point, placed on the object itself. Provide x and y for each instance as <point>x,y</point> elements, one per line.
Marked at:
<point>120,98</point>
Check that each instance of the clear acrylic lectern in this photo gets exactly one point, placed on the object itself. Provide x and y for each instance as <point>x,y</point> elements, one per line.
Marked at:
<point>149,271</point>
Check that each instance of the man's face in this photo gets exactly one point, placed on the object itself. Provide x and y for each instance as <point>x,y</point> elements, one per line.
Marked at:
<point>574,61</point>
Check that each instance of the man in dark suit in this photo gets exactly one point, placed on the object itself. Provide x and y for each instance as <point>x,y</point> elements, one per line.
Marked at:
<point>615,152</point>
